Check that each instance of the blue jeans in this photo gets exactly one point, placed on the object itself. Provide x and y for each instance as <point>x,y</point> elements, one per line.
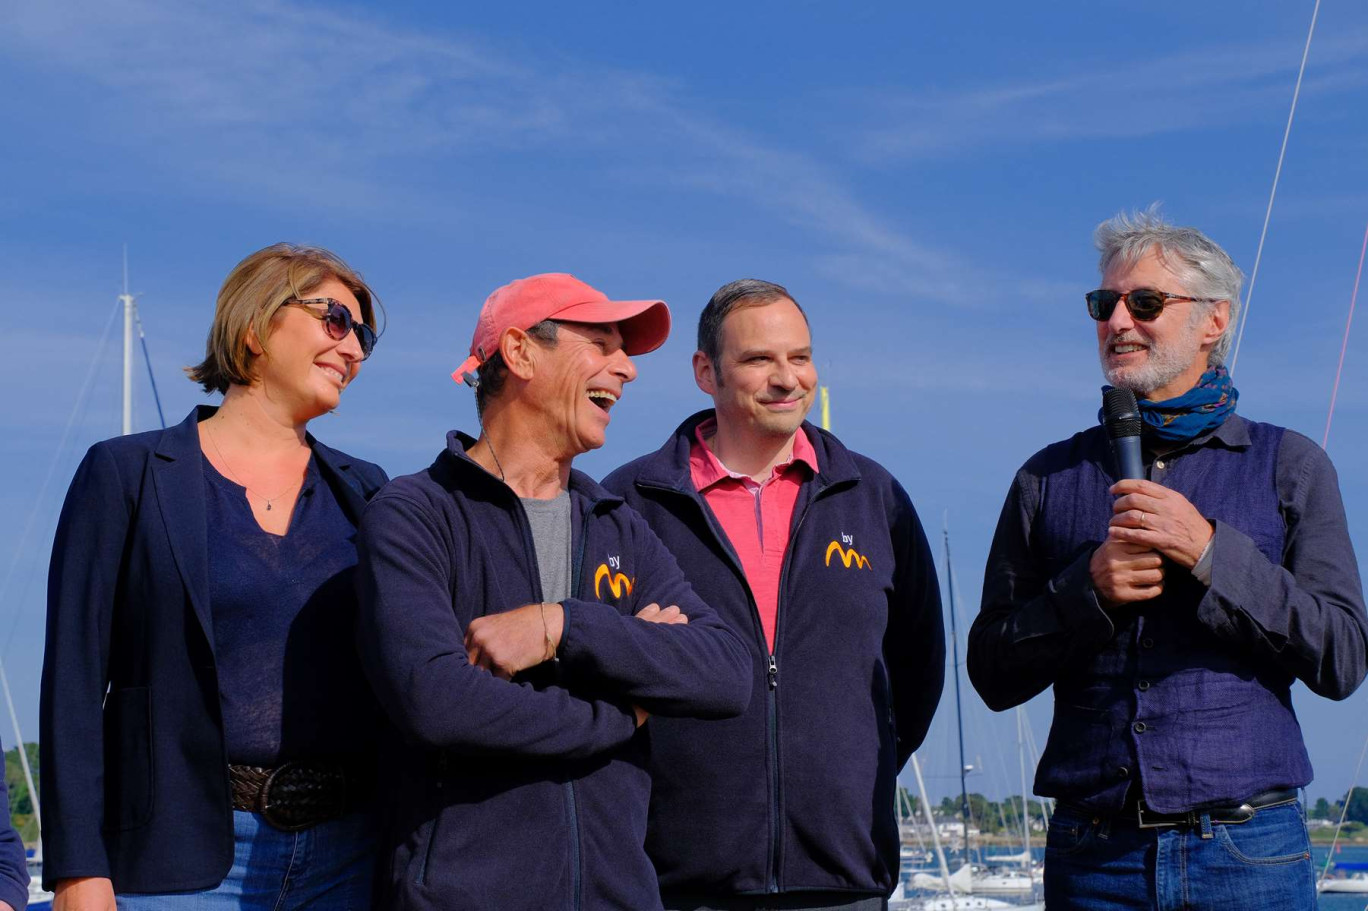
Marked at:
<point>1109,864</point>
<point>328,866</point>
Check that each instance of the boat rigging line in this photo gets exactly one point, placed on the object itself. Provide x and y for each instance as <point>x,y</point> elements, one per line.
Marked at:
<point>147,359</point>
<point>1344,345</point>
<point>128,306</point>
<point>959,711</point>
<point>1344,810</point>
<point>1268,213</point>
<point>77,408</point>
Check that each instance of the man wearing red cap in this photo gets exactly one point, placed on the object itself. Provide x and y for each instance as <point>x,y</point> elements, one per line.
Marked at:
<point>519,624</point>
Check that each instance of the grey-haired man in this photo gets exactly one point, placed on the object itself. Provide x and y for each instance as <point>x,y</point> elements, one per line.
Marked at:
<point>1172,614</point>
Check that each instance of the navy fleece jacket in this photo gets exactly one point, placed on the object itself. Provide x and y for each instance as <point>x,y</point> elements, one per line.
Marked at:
<point>530,793</point>
<point>797,793</point>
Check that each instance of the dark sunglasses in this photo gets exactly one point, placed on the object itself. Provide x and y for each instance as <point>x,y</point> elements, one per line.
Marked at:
<point>1144,304</point>
<point>337,322</point>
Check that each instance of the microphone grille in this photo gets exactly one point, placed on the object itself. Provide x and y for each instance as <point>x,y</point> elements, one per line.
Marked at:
<point>1121,414</point>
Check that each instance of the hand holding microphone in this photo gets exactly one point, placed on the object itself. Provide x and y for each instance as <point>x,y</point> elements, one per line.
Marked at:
<point>1124,572</point>
<point>1121,417</point>
<point>1149,519</point>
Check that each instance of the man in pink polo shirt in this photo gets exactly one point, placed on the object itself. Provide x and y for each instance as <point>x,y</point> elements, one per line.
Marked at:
<point>815,557</point>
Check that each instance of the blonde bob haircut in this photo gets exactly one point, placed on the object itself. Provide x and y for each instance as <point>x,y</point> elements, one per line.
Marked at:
<point>250,297</point>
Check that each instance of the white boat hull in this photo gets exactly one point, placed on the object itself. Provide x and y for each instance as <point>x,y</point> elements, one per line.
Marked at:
<point>1343,885</point>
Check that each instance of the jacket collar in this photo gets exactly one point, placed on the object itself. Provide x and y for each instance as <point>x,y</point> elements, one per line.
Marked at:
<point>179,480</point>
<point>581,485</point>
<point>668,467</point>
<point>1233,432</point>
<point>336,468</point>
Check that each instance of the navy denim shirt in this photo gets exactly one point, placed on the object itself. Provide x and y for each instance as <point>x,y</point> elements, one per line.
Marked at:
<point>1187,694</point>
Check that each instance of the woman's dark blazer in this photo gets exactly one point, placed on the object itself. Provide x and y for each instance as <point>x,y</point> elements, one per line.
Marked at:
<point>135,775</point>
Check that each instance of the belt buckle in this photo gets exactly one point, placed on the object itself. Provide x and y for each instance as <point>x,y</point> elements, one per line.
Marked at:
<point>1141,808</point>
<point>293,815</point>
<point>1241,814</point>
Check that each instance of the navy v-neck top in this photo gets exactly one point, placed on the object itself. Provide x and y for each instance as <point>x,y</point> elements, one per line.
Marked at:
<point>283,607</point>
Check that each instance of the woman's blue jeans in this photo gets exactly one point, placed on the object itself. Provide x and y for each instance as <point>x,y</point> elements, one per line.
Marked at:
<point>1109,864</point>
<point>328,866</point>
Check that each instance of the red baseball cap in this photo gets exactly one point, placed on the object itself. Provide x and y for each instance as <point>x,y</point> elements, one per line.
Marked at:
<point>523,303</point>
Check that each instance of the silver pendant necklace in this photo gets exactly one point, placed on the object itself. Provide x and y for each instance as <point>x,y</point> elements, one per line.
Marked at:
<point>213,441</point>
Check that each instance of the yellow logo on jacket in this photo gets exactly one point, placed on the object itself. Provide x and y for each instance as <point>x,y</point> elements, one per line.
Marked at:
<point>618,583</point>
<point>848,556</point>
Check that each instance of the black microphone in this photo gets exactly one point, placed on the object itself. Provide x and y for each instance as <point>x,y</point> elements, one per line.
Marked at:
<point>1121,416</point>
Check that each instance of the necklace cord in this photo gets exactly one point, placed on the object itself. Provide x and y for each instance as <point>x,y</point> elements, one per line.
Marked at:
<point>489,444</point>
<point>213,441</point>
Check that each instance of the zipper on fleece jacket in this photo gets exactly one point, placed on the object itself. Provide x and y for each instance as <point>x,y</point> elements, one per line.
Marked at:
<point>771,673</point>
<point>772,720</point>
<point>777,854</point>
<point>571,808</point>
<point>576,876</point>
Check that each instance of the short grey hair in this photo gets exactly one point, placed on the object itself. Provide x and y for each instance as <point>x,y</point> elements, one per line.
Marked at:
<point>1204,268</point>
<point>744,292</point>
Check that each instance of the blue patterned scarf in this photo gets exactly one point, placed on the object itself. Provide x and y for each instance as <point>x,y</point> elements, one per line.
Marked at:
<point>1202,408</point>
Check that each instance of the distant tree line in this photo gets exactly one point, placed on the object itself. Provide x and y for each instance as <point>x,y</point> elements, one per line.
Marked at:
<point>1357,811</point>
<point>993,817</point>
<point>988,816</point>
<point>20,801</point>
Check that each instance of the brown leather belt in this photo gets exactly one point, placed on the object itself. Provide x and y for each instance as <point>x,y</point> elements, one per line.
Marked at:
<point>296,795</point>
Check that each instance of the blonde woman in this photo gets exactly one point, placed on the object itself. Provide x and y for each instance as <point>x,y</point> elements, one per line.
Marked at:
<point>206,731</point>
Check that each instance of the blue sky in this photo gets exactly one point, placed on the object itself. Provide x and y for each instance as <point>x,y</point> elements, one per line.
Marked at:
<point>925,178</point>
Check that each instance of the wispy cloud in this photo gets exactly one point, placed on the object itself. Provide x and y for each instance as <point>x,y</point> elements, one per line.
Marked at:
<point>279,99</point>
<point>1107,98</point>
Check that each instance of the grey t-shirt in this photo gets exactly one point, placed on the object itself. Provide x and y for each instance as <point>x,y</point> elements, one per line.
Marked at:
<point>550,521</point>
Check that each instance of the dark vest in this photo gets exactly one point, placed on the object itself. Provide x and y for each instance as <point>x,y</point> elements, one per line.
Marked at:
<point>1165,702</point>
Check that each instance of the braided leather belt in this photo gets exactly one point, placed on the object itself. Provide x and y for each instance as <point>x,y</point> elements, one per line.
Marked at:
<point>294,795</point>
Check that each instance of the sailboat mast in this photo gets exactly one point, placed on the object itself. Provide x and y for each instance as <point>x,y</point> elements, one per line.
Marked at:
<point>959,708</point>
<point>935,834</point>
<point>1021,757</point>
<point>23,753</point>
<point>127,350</point>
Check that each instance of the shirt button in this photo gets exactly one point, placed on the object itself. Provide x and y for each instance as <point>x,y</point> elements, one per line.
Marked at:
<point>1140,727</point>
<point>1143,685</point>
<point>1159,463</point>
<point>1123,772</point>
<point>1147,642</point>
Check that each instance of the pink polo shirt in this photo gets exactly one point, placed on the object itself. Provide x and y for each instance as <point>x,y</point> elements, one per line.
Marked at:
<point>756,518</point>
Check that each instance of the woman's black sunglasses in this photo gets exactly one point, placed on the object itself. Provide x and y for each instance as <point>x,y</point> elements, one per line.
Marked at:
<point>337,321</point>
<point>1144,304</point>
